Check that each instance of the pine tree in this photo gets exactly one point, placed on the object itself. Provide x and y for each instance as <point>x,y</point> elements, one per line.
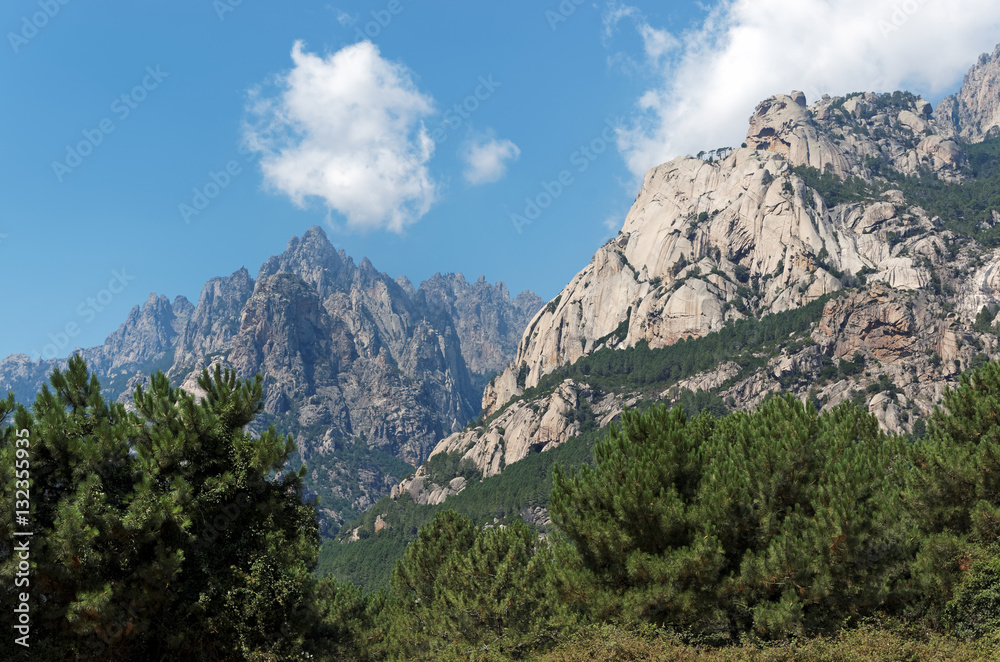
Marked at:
<point>417,625</point>
<point>352,626</point>
<point>956,485</point>
<point>495,596</point>
<point>779,521</point>
<point>165,533</point>
<point>250,541</point>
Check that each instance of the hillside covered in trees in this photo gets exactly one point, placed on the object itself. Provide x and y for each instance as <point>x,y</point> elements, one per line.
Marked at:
<point>782,533</point>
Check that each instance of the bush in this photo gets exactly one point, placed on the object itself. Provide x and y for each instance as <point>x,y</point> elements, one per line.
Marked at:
<point>974,612</point>
<point>871,643</point>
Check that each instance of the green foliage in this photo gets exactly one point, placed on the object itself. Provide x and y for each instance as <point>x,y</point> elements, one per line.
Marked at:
<point>172,515</point>
<point>834,190</point>
<point>502,499</point>
<point>749,342</point>
<point>693,403</point>
<point>495,596</point>
<point>171,533</point>
<point>350,623</point>
<point>956,487</point>
<point>524,485</point>
<point>443,467</point>
<point>966,207</point>
<point>333,475</point>
<point>984,321</point>
<point>959,481</point>
<point>462,590</point>
<point>778,522</point>
<point>974,612</point>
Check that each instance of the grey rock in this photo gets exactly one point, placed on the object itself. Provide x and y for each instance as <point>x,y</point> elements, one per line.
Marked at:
<point>974,111</point>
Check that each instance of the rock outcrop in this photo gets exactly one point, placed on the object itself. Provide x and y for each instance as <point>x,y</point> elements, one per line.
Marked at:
<point>708,242</point>
<point>973,114</point>
<point>857,135</point>
<point>488,326</point>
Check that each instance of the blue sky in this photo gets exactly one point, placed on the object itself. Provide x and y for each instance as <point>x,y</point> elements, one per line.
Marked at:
<point>282,117</point>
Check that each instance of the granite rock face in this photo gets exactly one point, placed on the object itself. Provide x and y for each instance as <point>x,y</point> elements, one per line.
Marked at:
<point>848,136</point>
<point>743,233</point>
<point>215,321</point>
<point>708,242</point>
<point>973,114</point>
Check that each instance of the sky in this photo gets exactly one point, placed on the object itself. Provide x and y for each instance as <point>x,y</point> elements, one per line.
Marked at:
<point>148,147</point>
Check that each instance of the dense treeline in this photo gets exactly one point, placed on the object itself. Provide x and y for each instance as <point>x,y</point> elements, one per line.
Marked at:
<point>780,525</point>
<point>170,533</point>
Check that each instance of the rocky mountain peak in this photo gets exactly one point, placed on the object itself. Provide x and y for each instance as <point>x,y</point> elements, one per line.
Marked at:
<point>182,307</point>
<point>746,232</point>
<point>367,371</point>
<point>856,135</point>
<point>973,113</point>
<point>486,317</point>
<point>314,259</point>
<point>148,333</point>
<point>214,322</point>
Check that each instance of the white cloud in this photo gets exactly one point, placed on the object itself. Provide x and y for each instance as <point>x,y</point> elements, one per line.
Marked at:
<point>613,223</point>
<point>748,50</point>
<point>657,44</point>
<point>486,159</point>
<point>345,19</point>
<point>347,130</point>
<point>615,13</point>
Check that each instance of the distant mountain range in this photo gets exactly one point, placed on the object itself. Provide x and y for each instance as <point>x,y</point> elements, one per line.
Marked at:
<point>368,372</point>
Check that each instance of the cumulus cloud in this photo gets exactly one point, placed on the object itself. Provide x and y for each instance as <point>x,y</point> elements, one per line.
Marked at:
<point>346,130</point>
<point>709,80</point>
<point>486,159</point>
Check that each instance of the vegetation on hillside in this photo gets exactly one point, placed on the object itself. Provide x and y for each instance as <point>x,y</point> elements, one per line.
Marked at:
<point>500,500</point>
<point>965,207</point>
<point>160,534</point>
<point>778,534</point>
<point>749,343</point>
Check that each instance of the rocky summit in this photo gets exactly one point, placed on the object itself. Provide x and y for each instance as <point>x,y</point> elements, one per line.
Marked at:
<point>367,371</point>
<point>866,219</point>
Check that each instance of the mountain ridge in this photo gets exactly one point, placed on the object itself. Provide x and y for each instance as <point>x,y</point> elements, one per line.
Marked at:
<point>356,363</point>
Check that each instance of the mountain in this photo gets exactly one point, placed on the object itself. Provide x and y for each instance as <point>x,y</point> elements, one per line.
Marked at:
<point>365,370</point>
<point>974,113</point>
<point>846,251</point>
